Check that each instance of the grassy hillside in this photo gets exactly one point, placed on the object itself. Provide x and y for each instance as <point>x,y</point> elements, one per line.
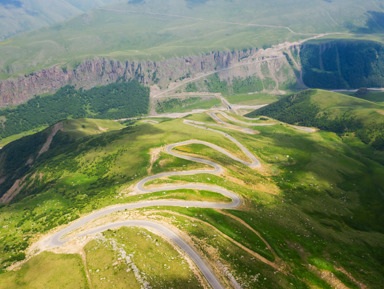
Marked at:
<point>19,157</point>
<point>318,203</point>
<point>113,101</point>
<point>186,104</point>
<point>156,260</point>
<point>154,30</point>
<point>373,96</point>
<point>48,270</point>
<point>252,98</point>
<point>20,16</point>
<point>332,112</point>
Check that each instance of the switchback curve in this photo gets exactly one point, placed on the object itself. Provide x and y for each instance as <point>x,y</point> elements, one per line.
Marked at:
<point>58,238</point>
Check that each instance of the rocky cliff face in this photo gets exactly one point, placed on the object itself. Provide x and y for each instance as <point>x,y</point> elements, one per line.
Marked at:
<point>334,64</point>
<point>102,71</point>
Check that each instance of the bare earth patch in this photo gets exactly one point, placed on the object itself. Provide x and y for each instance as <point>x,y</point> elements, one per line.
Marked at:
<point>328,277</point>
<point>47,144</point>
<point>155,154</point>
<point>342,270</point>
<point>101,129</point>
<point>12,192</point>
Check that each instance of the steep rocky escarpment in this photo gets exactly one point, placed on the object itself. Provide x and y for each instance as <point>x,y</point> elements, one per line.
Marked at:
<point>102,71</point>
<point>325,63</point>
<point>337,64</point>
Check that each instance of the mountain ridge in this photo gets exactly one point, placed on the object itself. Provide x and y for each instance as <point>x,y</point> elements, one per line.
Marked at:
<point>330,111</point>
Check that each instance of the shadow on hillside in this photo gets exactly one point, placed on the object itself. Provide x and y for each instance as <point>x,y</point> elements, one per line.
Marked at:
<point>346,171</point>
<point>64,151</point>
<point>374,24</point>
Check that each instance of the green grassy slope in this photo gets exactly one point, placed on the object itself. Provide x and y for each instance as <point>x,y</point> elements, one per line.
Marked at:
<point>373,96</point>
<point>19,16</point>
<point>376,37</point>
<point>318,201</point>
<point>331,111</point>
<point>185,105</point>
<point>105,266</point>
<point>48,270</point>
<point>252,98</point>
<point>15,156</point>
<point>154,30</point>
<point>156,260</point>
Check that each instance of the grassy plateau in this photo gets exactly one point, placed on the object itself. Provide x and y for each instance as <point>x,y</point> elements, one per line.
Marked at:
<point>151,30</point>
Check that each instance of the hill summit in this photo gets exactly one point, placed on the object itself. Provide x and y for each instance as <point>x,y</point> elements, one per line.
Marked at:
<point>330,111</point>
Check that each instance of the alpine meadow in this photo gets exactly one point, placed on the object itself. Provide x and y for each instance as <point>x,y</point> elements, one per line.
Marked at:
<point>192,144</point>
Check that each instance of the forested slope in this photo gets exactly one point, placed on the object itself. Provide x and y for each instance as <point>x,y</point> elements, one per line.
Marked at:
<point>114,101</point>
<point>335,64</point>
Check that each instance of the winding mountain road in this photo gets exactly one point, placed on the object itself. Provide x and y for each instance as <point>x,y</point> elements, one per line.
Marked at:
<point>59,238</point>
<point>170,235</point>
<point>230,118</point>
